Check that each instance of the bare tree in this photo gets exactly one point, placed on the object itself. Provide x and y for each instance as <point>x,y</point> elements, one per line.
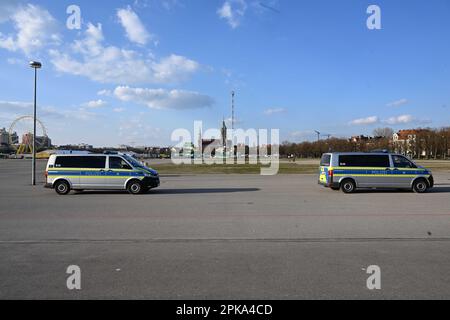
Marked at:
<point>424,143</point>
<point>383,132</point>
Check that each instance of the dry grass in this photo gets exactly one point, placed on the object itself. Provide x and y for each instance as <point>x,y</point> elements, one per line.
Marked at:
<point>308,166</point>
<point>285,168</point>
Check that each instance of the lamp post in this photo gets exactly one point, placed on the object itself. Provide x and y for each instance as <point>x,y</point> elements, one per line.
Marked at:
<point>35,65</point>
<point>318,135</point>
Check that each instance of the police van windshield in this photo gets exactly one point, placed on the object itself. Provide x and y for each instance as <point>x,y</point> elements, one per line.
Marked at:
<point>402,162</point>
<point>326,160</point>
<point>133,161</point>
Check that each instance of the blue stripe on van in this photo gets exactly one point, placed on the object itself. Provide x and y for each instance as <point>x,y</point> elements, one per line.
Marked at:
<point>96,173</point>
<point>380,171</point>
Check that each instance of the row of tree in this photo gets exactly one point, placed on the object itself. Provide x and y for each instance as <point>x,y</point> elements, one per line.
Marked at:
<point>316,149</point>
<point>427,143</point>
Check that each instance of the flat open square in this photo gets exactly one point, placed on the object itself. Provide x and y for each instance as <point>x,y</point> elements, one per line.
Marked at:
<point>222,236</point>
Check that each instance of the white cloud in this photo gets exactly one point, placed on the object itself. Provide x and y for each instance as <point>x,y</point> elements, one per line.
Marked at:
<point>90,45</point>
<point>403,119</point>
<point>15,106</point>
<point>233,11</point>
<point>396,120</point>
<point>272,111</point>
<point>134,28</point>
<point>14,109</point>
<point>118,110</point>
<point>104,92</point>
<point>110,64</point>
<point>174,69</point>
<point>398,103</point>
<point>365,121</point>
<point>35,28</point>
<point>164,99</point>
<point>94,104</point>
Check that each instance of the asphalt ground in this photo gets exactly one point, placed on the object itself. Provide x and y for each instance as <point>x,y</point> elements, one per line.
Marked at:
<point>222,237</point>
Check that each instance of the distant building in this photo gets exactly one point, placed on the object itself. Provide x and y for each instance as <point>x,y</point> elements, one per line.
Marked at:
<point>84,146</point>
<point>406,135</point>
<point>361,138</point>
<point>156,152</point>
<point>406,142</point>
<point>186,151</point>
<point>220,146</point>
<point>6,139</point>
<point>77,147</point>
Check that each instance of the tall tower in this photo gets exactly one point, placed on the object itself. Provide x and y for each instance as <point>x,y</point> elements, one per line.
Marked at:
<point>223,132</point>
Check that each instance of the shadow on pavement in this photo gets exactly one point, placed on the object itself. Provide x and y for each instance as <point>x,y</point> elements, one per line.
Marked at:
<point>201,191</point>
<point>435,189</point>
<point>174,191</point>
<point>440,189</point>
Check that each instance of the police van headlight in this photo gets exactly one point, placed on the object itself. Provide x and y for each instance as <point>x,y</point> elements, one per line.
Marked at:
<point>150,174</point>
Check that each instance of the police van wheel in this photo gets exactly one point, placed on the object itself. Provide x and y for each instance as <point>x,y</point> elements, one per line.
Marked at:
<point>420,186</point>
<point>135,187</point>
<point>62,187</point>
<point>348,186</point>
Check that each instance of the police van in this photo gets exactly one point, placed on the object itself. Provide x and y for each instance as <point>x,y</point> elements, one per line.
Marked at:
<point>350,171</point>
<point>99,172</point>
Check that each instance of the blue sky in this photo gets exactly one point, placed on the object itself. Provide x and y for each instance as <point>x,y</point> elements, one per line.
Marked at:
<point>136,70</point>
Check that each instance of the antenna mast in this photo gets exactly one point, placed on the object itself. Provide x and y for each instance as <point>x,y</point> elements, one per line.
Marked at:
<point>232,110</point>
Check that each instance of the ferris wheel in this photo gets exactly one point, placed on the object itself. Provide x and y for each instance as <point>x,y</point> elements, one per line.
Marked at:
<point>27,144</point>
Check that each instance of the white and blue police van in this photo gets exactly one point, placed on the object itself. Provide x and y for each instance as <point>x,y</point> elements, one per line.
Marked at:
<point>79,172</point>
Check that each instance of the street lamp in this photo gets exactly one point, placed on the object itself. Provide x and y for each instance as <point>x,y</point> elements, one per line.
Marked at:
<point>318,135</point>
<point>35,65</point>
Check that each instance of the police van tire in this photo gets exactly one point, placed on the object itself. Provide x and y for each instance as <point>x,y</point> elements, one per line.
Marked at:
<point>420,186</point>
<point>348,186</point>
<point>135,187</point>
<point>62,187</point>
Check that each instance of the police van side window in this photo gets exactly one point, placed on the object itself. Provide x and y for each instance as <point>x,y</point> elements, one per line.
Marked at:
<point>377,161</point>
<point>68,162</point>
<point>81,162</point>
<point>95,162</point>
<point>402,162</point>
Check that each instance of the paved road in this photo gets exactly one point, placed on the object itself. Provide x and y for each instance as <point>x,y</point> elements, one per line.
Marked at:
<point>223,236</point>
